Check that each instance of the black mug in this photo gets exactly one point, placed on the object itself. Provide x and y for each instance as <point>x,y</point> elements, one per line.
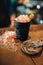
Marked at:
<point>22,30</point>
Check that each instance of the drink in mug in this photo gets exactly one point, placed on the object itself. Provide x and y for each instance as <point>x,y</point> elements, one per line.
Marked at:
<point>22,26</point>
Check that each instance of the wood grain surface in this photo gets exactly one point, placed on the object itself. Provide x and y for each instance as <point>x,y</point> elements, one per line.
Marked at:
<point>19,58</point>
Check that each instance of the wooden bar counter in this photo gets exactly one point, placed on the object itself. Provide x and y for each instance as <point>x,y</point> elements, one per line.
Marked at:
<point>18,57</point>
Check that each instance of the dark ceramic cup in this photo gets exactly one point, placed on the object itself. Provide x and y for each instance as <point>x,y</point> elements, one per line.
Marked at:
<point>22,30</point>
